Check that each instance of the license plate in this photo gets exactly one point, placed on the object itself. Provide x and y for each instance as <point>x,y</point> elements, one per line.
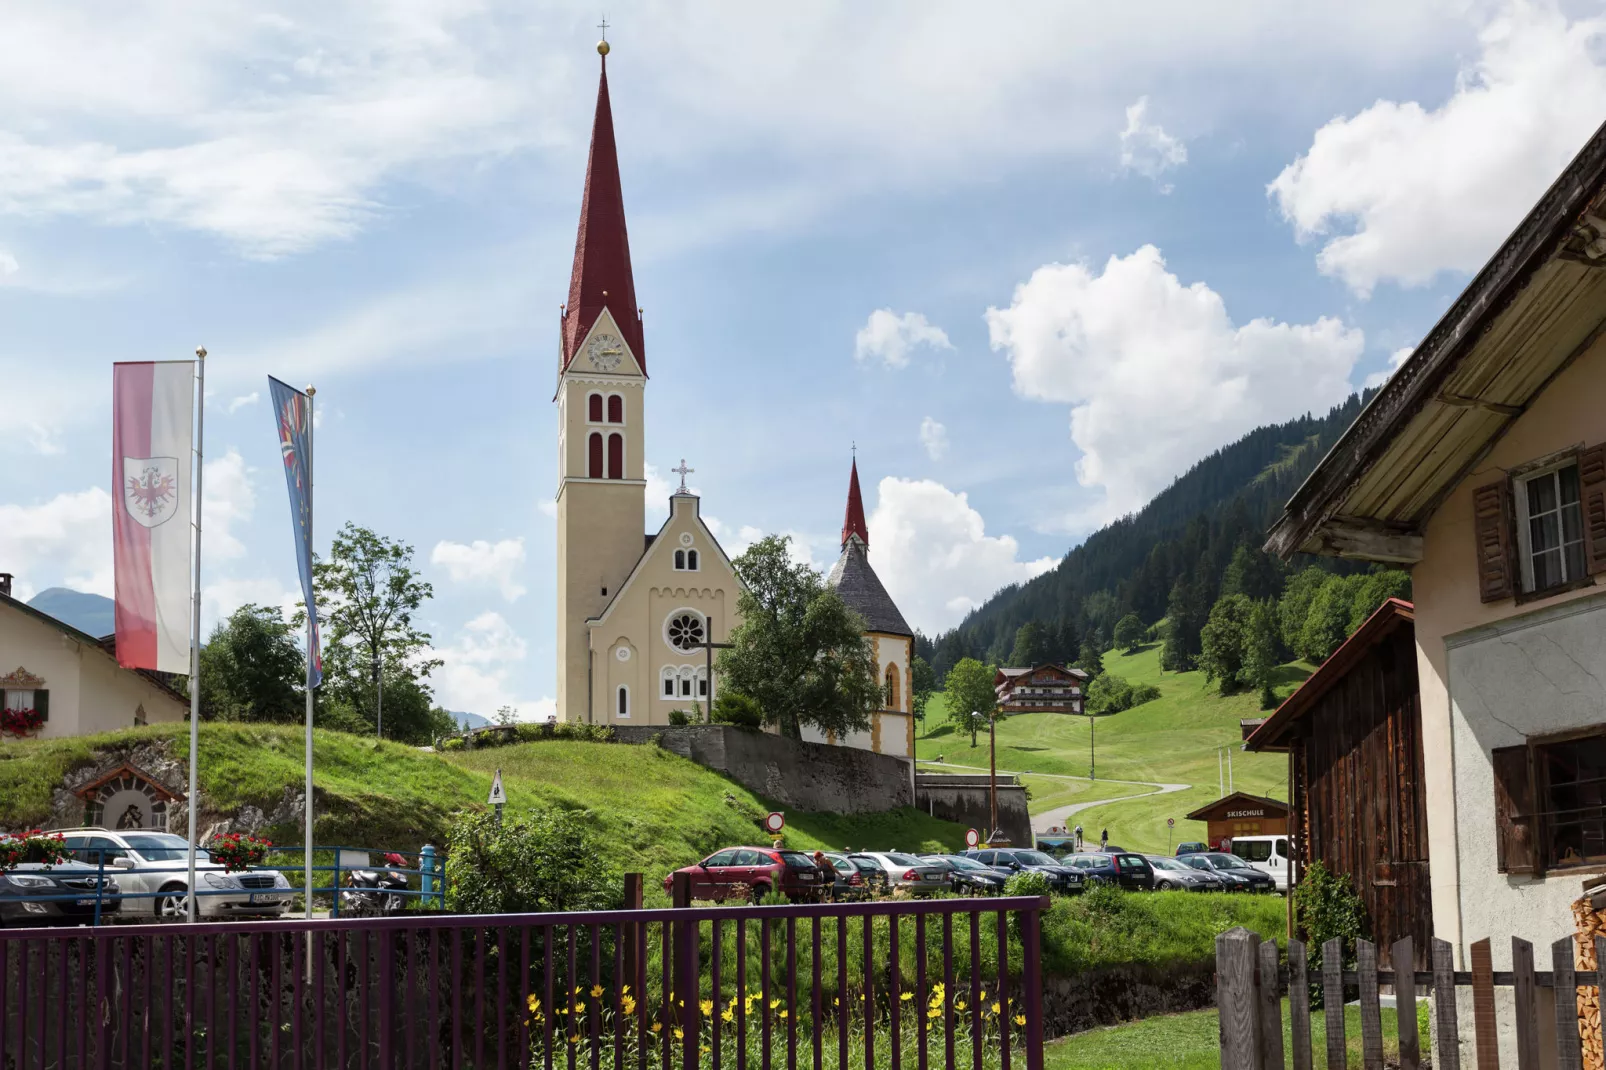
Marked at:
<point>265,900</point>
<point>932,877</point>
<point>86,902</point>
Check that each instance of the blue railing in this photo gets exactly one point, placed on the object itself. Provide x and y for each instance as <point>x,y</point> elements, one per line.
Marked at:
<point>426,883</point>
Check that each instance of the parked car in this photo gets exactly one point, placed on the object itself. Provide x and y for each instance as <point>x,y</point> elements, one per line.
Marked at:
<point>969,877</point>
<point>152,870</point>
<point>1061,877</point>
<point>1173,875</point>
<point>1239,875</point>
<point>1269,854</point>
<point>755,873</point>
<point>848,881</point>
<point>72,888</point>
<point>1191,847</point>
<point>906,872</point>
<point>1129,871</point>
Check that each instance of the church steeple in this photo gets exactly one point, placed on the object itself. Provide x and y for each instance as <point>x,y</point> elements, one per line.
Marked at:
<point>601,276</point>
<point>853,521</point>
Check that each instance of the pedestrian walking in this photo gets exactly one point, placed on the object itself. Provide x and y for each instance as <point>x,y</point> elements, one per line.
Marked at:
<point>1078,837</point>
<point>1104,839</point>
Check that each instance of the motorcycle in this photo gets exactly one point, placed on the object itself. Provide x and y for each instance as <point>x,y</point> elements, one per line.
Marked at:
<point>375,892</point>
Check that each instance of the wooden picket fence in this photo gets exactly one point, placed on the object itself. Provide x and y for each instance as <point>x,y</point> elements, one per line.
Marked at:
<point>1251,981</point>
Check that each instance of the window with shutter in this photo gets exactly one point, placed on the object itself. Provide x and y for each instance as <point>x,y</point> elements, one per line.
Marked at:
<point>41,703</point>
<point>1491,510</point>
<point>1592,480</point>
<point>1514,811</point>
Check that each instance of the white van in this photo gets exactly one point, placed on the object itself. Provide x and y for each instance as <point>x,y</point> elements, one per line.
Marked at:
<point>1269,854</point>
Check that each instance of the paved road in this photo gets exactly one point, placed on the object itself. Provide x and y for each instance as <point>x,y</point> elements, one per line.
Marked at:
<point>1057,817</point>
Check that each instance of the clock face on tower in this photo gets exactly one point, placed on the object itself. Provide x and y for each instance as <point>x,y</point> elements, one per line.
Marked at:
<point>606,351</point>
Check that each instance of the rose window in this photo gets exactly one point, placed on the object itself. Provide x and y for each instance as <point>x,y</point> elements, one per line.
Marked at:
<point>686,631</point>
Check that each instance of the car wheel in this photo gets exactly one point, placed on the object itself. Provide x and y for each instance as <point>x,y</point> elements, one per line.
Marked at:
<point>757,893</point>
<point>1165,886</point>
<point>172,904</point>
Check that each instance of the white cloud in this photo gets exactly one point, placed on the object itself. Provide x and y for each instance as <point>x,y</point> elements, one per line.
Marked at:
<point>228,499</point>
<point>548,507</point>
<point>8,264</point>
<point>1146,148</point>
<point>1155,372</point>
<point>891,338</point>
<point>248,399</point>
<point>932,551</point>
<point>1396,358</point>
<point>1401,191</point>
<point>475,670</point>
<point>221,597</point>
<point>483,563</point>
<point>735,541</point>
<point>66,541</point>
<point>934,437</point>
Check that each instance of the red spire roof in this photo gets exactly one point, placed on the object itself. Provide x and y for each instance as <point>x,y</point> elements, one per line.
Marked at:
<point>853,522</point>
<point>601,273</point>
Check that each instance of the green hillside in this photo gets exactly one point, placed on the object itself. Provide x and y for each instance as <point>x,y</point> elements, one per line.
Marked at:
<point>1173,740</point>
<point>660,811</point>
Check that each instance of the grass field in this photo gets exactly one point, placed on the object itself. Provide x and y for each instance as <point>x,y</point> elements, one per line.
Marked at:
<point>1191,1042</point>
<point>1173,740</point>
<point>656,811</point>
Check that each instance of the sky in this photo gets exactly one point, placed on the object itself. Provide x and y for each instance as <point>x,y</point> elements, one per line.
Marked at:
<point>1033,262</point>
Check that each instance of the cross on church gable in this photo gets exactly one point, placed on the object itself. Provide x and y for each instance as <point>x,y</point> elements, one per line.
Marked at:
<point>682,472</point>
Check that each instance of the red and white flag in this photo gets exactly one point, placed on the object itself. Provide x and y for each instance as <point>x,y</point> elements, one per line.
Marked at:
<point>153,407</point>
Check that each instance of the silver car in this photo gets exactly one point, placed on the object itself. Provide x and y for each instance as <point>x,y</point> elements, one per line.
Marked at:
<point>904,872</point>
<point>152,871</point>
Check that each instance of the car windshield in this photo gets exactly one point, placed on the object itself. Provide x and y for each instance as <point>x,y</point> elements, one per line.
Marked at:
<point>961,862</point>
<point>1034,858</point>
<point>162,847</point>
<point>1226,861</point>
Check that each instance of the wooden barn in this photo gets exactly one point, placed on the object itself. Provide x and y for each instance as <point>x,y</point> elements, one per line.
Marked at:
<point>1353,735</point>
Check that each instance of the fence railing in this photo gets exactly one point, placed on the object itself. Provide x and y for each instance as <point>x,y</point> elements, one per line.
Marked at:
<point>1250,983</point>
<point>919,983</point>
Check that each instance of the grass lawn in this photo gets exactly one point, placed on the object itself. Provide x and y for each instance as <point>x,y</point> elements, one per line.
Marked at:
<point>1175,739</point>
<point>1191,1042</point>
<point>657,811</point>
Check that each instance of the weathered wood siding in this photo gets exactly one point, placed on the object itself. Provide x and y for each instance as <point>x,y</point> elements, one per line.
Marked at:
<point>1358,775</point>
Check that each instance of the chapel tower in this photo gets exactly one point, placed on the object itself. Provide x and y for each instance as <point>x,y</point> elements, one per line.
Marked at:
<point>602,376</point>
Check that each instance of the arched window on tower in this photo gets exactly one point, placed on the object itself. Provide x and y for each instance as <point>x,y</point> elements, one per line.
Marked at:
<point>594,455</point>
<point>594,408</point>
<point>616,456</point>
<point>616,409</point>
<point>668,676</point>
<point>680,560</point>
<point>691,560</point>
<point>891,687</point>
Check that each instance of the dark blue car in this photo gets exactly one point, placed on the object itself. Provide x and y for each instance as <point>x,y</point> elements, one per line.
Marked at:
<point>1124,869</point>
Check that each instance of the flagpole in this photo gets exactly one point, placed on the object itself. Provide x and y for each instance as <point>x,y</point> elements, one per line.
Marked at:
<point>311,624</point>
<point>195,628</point>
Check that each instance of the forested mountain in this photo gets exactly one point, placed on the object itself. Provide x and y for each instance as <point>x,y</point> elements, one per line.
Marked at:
<point>1172,557</point>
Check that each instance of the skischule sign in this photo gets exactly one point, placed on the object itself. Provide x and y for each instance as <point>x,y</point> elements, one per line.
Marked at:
<point>1246,813</point>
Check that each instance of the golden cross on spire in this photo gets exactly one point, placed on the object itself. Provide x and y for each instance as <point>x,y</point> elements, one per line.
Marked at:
<point>603,26</point>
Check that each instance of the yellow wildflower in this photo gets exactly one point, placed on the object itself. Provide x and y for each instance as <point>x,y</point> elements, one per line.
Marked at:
<point>680,1034</point>
<point>907,996</point>
<point>836,1002</point>
<point>784,1013</point>
<point>596,991</point>
<point>959,1004</point>
<point>729,1016</point>
<point>625,991</point>
<point>984,995</point>
<point>628,1004</point>
<point>774,1003</point>
<point>996,1008</point>
<point>657,1027</point>
<point>575,1039</point>
<point>706,1049</point>
<point>934,1012</point>
<point>535,1003</point>
<point>706,1006</point>
<point>1020,1019</point>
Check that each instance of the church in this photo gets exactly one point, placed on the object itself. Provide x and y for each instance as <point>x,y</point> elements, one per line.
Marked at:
<point>640,614</point>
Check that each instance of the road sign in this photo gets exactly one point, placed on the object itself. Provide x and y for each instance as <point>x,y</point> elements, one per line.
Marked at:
<point>972,837</point>
<point>498,796</point>
<point>1170,822</point>
<point>775,822</point>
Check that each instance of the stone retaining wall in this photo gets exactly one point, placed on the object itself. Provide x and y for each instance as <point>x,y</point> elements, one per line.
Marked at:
<point>967,800</point>
<point>809,776</point>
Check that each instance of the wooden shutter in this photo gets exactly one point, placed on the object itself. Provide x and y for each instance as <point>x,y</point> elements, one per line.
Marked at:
<point>41,703</point>
<point>1592,491</point>
<point>1515,840</point>
<point>1491,511</point>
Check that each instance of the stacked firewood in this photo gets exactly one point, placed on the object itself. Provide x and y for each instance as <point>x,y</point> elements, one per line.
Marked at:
<point>1589,915</point>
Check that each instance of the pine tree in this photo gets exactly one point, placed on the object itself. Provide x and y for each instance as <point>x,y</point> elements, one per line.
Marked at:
<point>1223,639</point>
<point>1262,653</point>
<point>1091,658</point>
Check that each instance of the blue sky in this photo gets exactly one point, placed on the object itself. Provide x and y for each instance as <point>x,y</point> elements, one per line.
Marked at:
<point>1034,266</point>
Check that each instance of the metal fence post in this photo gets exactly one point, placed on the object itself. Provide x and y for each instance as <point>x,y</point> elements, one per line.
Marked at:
<point>1032,982</point>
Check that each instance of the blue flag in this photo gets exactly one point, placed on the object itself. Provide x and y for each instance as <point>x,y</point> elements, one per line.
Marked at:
<point>292,413</point>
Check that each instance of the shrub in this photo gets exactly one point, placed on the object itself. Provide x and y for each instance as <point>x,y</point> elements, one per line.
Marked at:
<point>529,733</point>
<point>1109,693</point>
<point>1326,905</point>
<point>679,718</point>
<point>32,846</point>
<point>455,743</point>
<point>735,708</point>
<point>579,730</point>
<point>553,860</point>
<point>1027,882</point>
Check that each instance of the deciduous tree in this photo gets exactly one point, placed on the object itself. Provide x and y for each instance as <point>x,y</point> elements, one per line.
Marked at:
<point>800,651</point>
<point>924,682</point>
<point>1129,632</point>
<point>253,668</point>
<point>969,689</point>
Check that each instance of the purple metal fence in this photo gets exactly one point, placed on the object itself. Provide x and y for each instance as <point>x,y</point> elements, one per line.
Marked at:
<point>537,990</point>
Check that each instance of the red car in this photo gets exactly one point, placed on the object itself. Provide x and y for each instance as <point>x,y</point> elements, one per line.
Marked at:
<point>755,873</point>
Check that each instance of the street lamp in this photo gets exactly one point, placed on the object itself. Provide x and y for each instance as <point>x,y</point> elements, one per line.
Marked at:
<point>992,773</point>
